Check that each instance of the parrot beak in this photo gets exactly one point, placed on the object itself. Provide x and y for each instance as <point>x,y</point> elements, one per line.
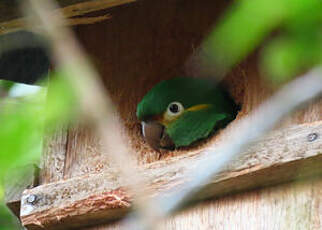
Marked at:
<point>155,135</point>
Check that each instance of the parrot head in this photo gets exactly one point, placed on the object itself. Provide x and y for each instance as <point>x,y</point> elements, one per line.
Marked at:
<point>182,110</point>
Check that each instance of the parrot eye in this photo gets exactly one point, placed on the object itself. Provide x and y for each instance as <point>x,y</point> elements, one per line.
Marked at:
<point>175,108</point>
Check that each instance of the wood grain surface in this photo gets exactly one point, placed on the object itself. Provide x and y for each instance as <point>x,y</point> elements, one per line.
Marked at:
<point>54,155</point>
<point>11,17</point>
<point>296,205</point>
<point>283,155</point>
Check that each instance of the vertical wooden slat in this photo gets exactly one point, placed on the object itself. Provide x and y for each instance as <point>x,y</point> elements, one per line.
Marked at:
<point>54,155</point>
<point>83,145</point>
<point>316,205</point>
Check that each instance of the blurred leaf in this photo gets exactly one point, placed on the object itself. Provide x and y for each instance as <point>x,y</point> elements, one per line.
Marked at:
<point>7,221</point>
<point>6,84</point>
<point>286,57</point>
<point>304,15</point>
<point>61,100</point>
<point>248,22</point>
<point>1,193</point>
<point>20,133</point>
<point>5,87</point>
<point>242,28</point>
<point>22,128</point>
<point>22,122</point>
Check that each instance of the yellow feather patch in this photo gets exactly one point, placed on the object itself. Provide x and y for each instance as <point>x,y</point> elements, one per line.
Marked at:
<point>165,120</point>
<point>198,107</point>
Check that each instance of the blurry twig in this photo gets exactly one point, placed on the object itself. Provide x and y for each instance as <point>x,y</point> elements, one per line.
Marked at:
<point>247,130</point>
<point>95,104</point>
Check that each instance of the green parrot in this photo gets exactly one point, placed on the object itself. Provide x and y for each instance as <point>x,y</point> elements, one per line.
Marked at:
<point>182,110</point>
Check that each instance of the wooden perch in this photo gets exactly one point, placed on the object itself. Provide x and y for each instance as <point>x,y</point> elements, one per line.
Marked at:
<point>283,155</point>
<point>11,18</point>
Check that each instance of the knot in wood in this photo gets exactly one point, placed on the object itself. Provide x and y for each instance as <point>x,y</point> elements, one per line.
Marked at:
<point>312,137</point>
<point>32,199</point>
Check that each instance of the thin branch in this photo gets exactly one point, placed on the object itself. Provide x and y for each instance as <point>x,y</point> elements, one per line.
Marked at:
<point>96,105</point>
<point>245,132</point>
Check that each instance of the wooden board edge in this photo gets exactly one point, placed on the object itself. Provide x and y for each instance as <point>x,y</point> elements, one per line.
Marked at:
<point>294,167</point>
<point>71,13</point>
<point>108,206</point>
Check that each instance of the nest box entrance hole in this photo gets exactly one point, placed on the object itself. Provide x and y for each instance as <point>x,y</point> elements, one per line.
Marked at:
<point>135,49</point>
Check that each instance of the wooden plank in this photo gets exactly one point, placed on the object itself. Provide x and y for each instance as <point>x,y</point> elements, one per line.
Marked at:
<point>81,146</point>
<point>286,206</point>
<point>9,10</point>
<point>283,155</point>
<point>295,205</point>
<point>316,205</point>
<point>11,18</point>
<point>53,158</point>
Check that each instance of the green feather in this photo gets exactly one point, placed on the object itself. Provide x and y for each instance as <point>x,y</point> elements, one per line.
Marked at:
<point>191,125</point>
<point>200,124</point>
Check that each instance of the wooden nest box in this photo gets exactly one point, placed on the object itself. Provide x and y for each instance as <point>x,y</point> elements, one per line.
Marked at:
<point>134,45</point>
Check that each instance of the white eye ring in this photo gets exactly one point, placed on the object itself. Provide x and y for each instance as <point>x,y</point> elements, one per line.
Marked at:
<point>174,109</point>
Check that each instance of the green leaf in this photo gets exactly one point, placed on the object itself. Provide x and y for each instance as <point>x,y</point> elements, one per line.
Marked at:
<point>289,56</point>
<point>22,128</point>
<point>247,22</point>
<point>62,103</point>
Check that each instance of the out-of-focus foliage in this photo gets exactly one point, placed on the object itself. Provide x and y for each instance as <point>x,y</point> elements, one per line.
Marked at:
<point>22,122</point>
<point>7,221</point>
<point>61,103</point>
<point>287,55</point>
<point>297,45</point>
<point>22,126</point>
<point>20,132</point>
<point>6,85</point>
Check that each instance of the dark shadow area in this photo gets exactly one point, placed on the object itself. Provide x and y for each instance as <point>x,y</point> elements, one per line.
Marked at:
<point>23,57</point>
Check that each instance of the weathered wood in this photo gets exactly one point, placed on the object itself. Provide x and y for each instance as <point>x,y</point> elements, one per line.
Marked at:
<point>295,205</point>
<point>54,154</point>
<point>16,182</point>
<point>287,206</point>
<point>11,18</point>
<point>316,205</point>
<point>21,23</point>
<point>288,154</point>
<point>76,153</point>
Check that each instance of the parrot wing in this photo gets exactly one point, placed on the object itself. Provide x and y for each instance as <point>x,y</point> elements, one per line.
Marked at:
<point>192,126</point>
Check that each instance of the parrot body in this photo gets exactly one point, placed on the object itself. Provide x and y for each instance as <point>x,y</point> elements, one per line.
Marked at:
<point>182,110</point>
